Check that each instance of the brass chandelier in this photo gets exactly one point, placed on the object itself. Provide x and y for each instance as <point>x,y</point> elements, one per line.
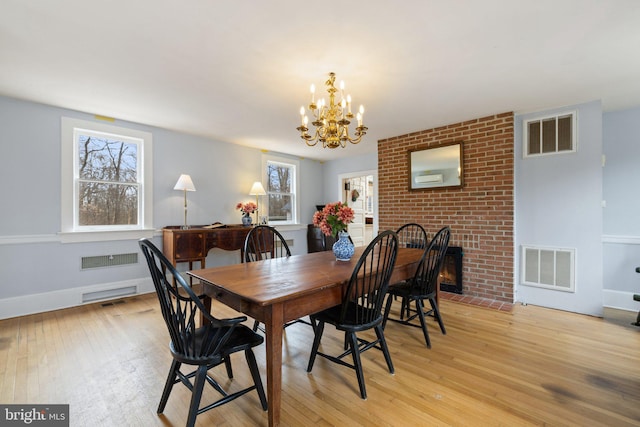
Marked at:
<point>331,121</point>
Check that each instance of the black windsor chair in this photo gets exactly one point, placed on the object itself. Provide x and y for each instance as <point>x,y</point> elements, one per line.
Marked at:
<point>265,242</point>
<point>361,307</point>
<point>206,346</point>
<point>410,235</point>
<point>423,286</point>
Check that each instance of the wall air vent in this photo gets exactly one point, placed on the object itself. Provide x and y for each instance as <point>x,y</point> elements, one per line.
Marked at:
<point>108,294</point>
<point>429,179</point>
<point>551,268</point>
<point>100,261</point>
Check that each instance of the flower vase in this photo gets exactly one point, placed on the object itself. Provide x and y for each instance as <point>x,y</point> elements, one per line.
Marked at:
<point>246,220</point>
<point>343,248</point>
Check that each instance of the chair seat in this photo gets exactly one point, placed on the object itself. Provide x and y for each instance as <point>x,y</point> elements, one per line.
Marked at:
<point>242,338</point>
<point>407,290</point>
<point>350,321</point>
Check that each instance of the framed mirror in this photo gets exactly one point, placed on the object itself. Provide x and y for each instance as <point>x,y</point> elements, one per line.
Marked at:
<point>436,167</point>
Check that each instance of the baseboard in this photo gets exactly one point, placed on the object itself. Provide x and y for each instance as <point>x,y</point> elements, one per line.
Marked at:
<point>619,300</point>
<point>56,300</point>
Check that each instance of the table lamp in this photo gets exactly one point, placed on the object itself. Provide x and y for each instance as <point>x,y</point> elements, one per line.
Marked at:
<point>185,184</point>
<point>257,190</point>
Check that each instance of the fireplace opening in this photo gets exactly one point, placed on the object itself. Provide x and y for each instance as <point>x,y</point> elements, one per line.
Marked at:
<point>451,273</point>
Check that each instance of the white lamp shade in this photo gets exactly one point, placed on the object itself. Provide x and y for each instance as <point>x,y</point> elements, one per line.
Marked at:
<point>257,189</point>
<point>184,183</point>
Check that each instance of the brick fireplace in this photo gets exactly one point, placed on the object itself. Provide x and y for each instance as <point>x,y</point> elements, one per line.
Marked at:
<point>480,214</point>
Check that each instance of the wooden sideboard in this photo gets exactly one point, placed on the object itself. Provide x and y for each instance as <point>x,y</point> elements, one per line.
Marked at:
<point>194,243</point>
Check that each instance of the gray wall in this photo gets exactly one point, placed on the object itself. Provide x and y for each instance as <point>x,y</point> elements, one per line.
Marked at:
<point>621,228</point>
<point>33,262</point>
<point>345,165</point>
<point>32,258</point>
<point>558,204</point>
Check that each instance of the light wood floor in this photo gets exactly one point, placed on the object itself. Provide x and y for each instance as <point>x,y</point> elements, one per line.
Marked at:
<point>532,366</point>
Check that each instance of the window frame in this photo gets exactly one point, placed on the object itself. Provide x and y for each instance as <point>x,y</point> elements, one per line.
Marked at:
<point>295,164</point>
<point>541,119</point>
<point>70,230</point>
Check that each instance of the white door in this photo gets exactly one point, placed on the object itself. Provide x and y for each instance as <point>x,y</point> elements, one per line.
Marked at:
<point>354,197</point>
<point>365,206</point>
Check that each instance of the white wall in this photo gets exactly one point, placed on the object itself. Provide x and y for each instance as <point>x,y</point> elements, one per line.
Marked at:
<point>39,273</point>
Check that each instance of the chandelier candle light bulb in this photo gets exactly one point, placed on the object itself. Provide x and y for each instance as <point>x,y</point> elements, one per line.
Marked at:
<point>331,120</point>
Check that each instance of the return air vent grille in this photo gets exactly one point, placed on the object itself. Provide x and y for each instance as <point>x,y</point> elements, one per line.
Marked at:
<point>101,261</point>
<point>551,268</point>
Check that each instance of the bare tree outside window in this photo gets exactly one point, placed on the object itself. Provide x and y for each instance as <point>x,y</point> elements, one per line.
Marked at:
<point>280,191</point>
<point>108,189</point>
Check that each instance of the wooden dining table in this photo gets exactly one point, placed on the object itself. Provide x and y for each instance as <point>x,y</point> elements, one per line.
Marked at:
<point>279,290</point>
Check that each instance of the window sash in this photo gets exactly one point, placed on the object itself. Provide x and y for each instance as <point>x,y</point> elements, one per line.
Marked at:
<point>109,206</point>
<point>276,197</point>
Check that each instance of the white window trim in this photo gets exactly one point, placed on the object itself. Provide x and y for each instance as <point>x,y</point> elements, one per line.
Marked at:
<point>525,133</point>
<point>278,159</point>
<point>69,233</point>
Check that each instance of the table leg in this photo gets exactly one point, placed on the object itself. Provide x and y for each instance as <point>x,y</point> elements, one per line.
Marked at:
<point>273,330</point>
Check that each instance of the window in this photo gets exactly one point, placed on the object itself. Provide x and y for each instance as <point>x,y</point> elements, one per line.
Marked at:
<point>106,179</point>
<point>281,186</point>
<point>550,135</point>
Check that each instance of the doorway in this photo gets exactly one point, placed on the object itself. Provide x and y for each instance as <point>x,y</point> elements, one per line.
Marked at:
<point>359,191</point>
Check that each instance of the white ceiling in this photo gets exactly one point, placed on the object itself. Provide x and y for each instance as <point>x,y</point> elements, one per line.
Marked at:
<point>238,71</point>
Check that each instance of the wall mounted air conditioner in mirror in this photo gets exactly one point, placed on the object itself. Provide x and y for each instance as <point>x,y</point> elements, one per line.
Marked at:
<point>428,179</point>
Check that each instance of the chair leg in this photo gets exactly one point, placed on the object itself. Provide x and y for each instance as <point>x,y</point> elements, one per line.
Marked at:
<point>385,350</point>
<point>255,374</point>
<point>387,309</point>
<point>404,308</point>
<point>227,364</point>
<point>318,330</point>
<point>357,363</point>
<point>436,314</point>
<point>420,309</point>
<point>168,386</point>
<point>196,395</point>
